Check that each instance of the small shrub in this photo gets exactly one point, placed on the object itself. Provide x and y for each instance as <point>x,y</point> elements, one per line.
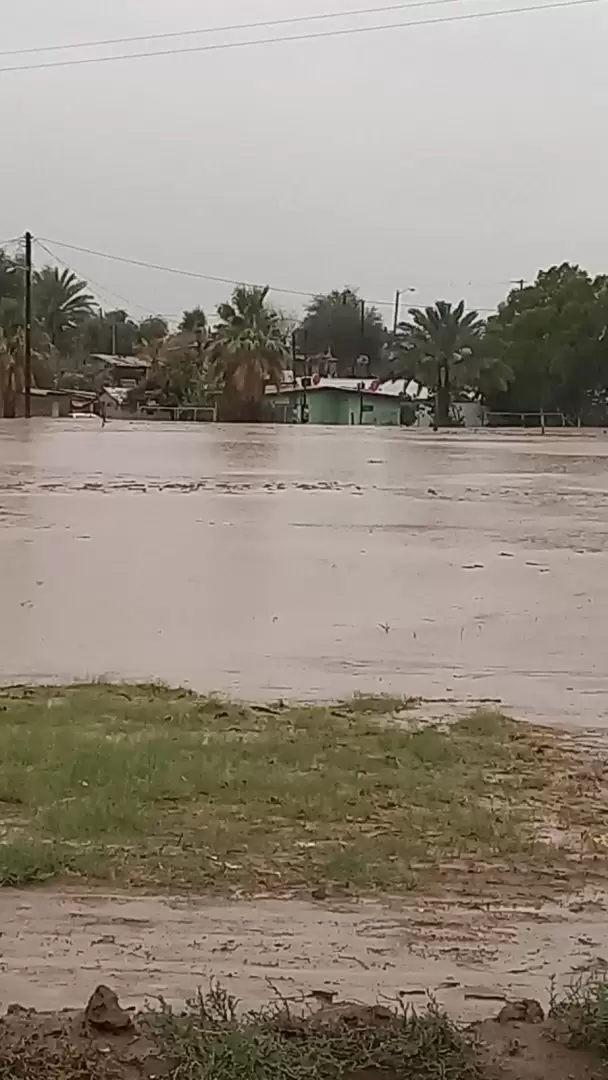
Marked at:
<point>583,1010</point>
<point>210,1039</point>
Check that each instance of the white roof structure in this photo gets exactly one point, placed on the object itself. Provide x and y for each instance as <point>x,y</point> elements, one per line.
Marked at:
<point>387,388</point>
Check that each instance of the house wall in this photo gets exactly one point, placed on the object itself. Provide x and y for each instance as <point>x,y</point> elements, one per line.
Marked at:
<point>47,405</point>
<point>341,407</point>
<point>381,411</point>
<point>337,407</point>
<point>326,407</point>
<point>113,410</point>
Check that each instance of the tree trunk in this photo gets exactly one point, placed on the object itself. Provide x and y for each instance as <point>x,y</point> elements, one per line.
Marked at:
<point>442,398</point>
<point>232,410</point>
<point>10,403</point>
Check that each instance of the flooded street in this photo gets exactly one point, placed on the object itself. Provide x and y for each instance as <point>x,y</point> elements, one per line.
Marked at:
<point>308,563</point>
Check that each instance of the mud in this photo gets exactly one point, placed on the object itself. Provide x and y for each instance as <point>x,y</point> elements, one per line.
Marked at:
<point>517,1044</point>
<point>310,563</point>
<point>57,946</point>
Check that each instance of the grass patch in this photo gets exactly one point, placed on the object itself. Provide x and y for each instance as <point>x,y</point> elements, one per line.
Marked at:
<point>208,1039</point>
<point>377,704</point>
<point>32,862</point>
<point>582,1011</point>
<point>148,786</point>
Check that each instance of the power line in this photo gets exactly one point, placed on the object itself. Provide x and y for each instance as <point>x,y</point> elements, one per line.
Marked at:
<point>343,32</point>
<point>259,25</point>
<point>42,241</point>
<point>101,289</point>
<point>95,284</point>
<point>168,269</point>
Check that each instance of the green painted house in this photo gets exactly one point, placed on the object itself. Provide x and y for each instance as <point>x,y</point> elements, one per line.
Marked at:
<point>340,401</point>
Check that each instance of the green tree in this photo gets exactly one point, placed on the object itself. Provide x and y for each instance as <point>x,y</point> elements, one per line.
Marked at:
<point>153,328</point>
<point>333,323</point>
<point>554,336</point>
<point>60,304</point>
<point>11,293</point>
<point>246,352</point>
<point>12,272</point>
<point>12,279</point>
<point>178,375</point>
<point>193,320</point>
<point>11,372</point>
<point>446,348</point>
<point>108,332</point>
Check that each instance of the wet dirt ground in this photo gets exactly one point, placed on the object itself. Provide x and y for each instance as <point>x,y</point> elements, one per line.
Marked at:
<point>56,946</point>
<point>313,563</point>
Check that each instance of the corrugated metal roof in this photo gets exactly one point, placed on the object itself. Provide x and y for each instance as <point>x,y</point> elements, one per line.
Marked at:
<point>122,361</point>
<point>38,391</point>
<point>389,388</point>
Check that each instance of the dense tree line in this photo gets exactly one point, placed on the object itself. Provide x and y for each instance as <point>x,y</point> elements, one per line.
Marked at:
<point>544,352</point>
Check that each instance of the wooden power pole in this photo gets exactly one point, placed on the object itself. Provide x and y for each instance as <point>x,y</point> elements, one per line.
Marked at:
<point>396,312</point>
<point>27,327</point>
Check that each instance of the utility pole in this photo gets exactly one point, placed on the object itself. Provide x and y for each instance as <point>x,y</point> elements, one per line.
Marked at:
<point>362,327</point>
<point>396,315</point>
<point>27,326</point>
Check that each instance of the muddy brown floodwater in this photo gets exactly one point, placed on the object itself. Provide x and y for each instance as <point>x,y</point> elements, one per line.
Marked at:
<point>308,562</point>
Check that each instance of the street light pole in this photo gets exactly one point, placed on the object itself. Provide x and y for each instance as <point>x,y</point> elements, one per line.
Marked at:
<point>398,296</point>
<point>27,327</point>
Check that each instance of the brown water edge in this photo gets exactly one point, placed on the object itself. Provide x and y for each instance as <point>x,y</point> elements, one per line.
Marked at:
<point>308,563</point>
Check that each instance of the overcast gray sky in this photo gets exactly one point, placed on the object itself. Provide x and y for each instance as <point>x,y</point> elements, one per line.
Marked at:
<point>450,158</point>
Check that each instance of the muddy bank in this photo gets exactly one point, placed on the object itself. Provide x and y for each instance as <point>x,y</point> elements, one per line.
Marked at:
<point>271,562</point>
<point>57,945</point>
<point>319,1037</point>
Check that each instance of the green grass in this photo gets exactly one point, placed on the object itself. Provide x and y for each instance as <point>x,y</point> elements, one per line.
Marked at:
<point>209,1039</point>
<point>149,786</point>
<point>379,704</point>
<point>582,1012</point>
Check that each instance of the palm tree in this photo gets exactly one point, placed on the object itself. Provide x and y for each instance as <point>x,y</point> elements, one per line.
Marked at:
<point>444,345</point>
<point>11,372</point>
<point>12,277</point>
<point>60,302</point>
<point>246,351</point>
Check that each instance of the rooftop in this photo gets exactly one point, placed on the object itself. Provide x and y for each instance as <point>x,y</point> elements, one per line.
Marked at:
<point>388,388</point>
<point>122,361</point>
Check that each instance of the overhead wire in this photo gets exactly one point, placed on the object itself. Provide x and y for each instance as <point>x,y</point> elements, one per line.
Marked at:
<point>290,38</point>
<point>258,25</point>
<point>101,290</point>
<point>195,274</point>
<point>168,269</point>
